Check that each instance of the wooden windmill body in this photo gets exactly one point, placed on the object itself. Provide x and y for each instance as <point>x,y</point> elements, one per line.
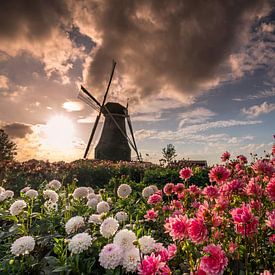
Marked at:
<point>114,143</point>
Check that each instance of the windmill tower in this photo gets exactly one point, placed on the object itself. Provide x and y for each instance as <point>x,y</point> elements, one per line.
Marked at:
<point>114,143</point>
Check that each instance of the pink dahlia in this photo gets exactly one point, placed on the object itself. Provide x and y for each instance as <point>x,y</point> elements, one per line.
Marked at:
<point>168,189</point>
<point>245,222</point>
<point>270,189</point>
<point>215,260</point>
<point>194,190</point>
<point>273,149</point>
<point>232,247</point>
<point>225,156</point>
<point>150,265</point>
<point>197,231</point>
<point>242,159</point>
<point>172,251</point>
<point>270,222</point>
<point>151,215</point>
<point>235,186</point>
<point>185,173</point>
<point>154,199</point>
<point>211,192</point>
<point>272,239</point>
<point>179,188</point>
<point>263,167</point>
<point>219,174</point>
<point>177,227</point>
<point>254,189</point>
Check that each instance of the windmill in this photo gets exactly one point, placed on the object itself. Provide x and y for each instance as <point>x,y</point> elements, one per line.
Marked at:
<point>114,141</point>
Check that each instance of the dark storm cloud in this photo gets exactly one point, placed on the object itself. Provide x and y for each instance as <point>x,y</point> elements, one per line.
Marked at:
<point>179,46</point>
<point>34,19</point>
<point>17,130</point>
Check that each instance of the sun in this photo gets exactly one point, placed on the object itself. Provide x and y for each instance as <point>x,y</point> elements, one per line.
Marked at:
<point>59,132</point>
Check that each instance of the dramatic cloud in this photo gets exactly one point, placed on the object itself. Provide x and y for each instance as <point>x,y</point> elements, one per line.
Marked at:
<point>17,130</point>
<point>4,82</point>
<point>257,110</point>
<point>180,47</point>
<point>195,116</point>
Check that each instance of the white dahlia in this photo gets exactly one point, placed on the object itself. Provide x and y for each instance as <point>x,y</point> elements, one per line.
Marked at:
<point>80,192</point>
<point>124,191</point>
<point>121,216</point>
<point>17,207</point>
<point>131,259</point>
<point>25,189</point>
<point>125,238</point>
<point>110,256</point>
<point>23,246</point>
<point>54,185</point>
<point>95,218</point>
<point>8,194</point>
<point>50,206</point>
<point>90,190</point>
<point>102,207</point>
<point>2,189</point>
<point>73,224</point>
<point>154,187</point>
<point>79,243</point>
<point>146,244</point>
<point>109,227</point>
<point>92,203</point>
<point>91,196</point>
<point>50,195</point>
<point>147,192</point>
<point>32,194</point>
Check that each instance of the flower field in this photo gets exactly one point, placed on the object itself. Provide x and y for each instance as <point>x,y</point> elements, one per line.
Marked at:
<point>225,227</point>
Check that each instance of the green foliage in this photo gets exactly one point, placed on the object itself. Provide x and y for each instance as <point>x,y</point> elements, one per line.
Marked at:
<point>7,147</point>
<point>169,153</point>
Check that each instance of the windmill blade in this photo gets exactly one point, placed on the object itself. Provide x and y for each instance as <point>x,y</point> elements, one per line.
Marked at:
<point>88,101</point>
<point>91,137</point>
<point>100,111</point>
<point>133,137</point>
<point>90,96</point>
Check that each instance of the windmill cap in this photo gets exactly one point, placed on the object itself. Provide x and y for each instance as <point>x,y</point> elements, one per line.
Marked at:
<point>114,108</point>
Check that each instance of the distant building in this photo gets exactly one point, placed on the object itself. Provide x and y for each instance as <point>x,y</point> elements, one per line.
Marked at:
<point>188,163</point>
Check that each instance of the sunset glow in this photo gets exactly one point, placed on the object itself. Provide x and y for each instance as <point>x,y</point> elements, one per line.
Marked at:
<point>59,132</point>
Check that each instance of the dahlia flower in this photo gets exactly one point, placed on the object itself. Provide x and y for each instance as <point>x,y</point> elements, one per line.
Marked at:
<point>270,222</point>
<point>95,218</point>
<point>74,224</point>
<point>179,188</point>
<point>121,216</point>
<point>270,189</point>
<point>225,156</point>
<point>147,192</point>
<point>254,189</point>
<point>245,222</point>
<point>80,192</point>
<point>103,207</point>
<point>168,189</point>
<point>92,203</point>
<point>263,167</point>
<point>151,215</point>
<point>50,195</point>
<point>197,231</point>
<point>109,227</point>
<point>211,192</point>
<point>79,243</point>
<point>131,259</point>
<point>124,191</point>
<point>146,244</point>
<point>32,194</point>
<point>219,174</point>
<point>8,194</point>
<point>110,256</point>
<point>17,207</point>
<point>185,173</point>
<point>125,238</point>
<point>177,227</point>
<point>54,185</point>
<point>215,260</point>
<point>23,246</point>
<point>151,265</point>
<point>154,199</point>
<point>25,189</point>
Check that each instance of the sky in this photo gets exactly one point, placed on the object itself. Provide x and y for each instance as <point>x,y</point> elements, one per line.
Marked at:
<point>197,74</point>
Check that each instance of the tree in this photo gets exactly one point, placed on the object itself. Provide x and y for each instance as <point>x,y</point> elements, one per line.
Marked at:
<point>169,153</point>
<point>7,147</point>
